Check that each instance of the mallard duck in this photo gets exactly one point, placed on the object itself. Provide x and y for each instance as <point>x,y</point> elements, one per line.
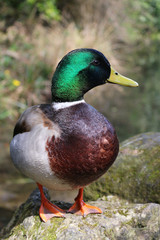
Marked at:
<point>68,144</point>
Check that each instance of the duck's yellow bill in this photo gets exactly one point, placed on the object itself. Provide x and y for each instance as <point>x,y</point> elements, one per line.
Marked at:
<point>117,78</point>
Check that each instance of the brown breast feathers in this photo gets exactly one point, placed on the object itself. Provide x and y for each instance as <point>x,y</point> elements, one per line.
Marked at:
<point>87,147</point>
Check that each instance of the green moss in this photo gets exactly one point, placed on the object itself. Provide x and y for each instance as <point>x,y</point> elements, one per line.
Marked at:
<point>38,228</point>
<point>50,234</point>
<point>110,234</point>
<point>86,223</point>
<point>123,212</point>
<point>130,222</point>
<point>94,191</point>
<point>19,231</point>
<point>108,214</point>
<point>116,210</point>
<point>63,228</point>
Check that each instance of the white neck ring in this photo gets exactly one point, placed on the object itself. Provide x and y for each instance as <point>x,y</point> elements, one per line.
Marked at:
<point>61,105</point>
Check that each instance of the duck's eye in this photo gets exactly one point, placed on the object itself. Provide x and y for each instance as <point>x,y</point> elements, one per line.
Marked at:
<point>116,73</point>
<point>96,62</point>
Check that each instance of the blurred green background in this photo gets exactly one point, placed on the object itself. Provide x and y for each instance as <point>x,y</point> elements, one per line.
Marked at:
<point>35,35</point>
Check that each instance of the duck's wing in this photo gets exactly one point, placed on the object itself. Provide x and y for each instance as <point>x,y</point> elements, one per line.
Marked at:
<point>35,115</point>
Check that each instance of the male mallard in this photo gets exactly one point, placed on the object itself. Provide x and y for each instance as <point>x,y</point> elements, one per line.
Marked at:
<point>68,144</point>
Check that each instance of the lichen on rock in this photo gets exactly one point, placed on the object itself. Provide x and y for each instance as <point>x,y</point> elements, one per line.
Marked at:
<point>119,220</point>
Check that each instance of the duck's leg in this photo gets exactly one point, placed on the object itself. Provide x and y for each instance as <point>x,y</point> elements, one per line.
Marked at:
<point>47,209</point>
<point>81,208</point>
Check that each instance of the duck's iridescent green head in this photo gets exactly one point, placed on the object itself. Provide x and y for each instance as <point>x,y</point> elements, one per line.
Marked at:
<point>81,70</point>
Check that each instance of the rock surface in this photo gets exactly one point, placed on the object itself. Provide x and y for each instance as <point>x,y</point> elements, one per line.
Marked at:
<point>135,175</point>
<point>120,220</point>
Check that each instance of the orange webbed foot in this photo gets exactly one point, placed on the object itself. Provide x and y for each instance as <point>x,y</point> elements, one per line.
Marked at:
<point>47,209</point>
<point>81,208</point>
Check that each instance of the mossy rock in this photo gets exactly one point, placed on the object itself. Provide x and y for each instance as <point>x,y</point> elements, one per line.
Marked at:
<point>120,220</point>
<point>135,175</point>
